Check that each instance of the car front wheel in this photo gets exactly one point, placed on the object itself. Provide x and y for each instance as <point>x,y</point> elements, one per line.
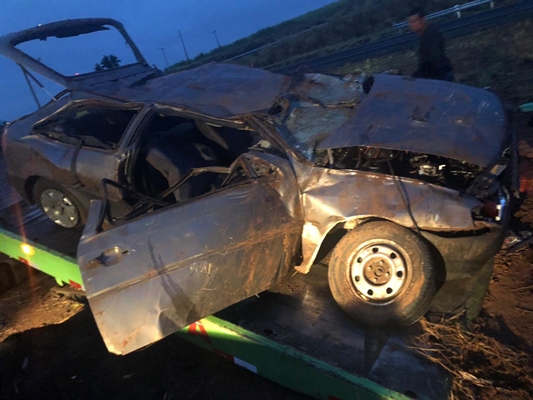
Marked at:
<point>59,204</point>
<point>383,274</point>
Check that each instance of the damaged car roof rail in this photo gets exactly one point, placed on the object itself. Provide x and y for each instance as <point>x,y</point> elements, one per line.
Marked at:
<point>63,29</point>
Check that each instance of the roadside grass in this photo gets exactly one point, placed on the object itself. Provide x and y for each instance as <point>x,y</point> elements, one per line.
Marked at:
<point>481,366</point>
<point>501,59</point>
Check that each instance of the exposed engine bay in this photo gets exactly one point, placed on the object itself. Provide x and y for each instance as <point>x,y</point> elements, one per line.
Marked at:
<point>461,176</point>
<point>441,171</point>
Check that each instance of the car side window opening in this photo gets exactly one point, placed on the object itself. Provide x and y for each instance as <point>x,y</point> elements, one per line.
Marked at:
<point>170,146</point>
<point>97,127</point>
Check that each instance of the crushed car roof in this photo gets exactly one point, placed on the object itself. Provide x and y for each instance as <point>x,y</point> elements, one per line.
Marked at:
<point>69,28</point>
<point>397,113</point>
<point>219,90</point>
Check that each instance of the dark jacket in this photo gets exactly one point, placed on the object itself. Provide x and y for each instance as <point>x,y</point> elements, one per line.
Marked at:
<point>432,60</point>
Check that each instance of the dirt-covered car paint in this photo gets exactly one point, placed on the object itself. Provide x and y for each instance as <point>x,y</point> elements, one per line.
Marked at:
<point>276,164</point>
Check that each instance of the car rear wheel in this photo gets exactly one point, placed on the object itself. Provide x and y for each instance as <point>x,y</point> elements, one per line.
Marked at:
<point>382,274</point>
<point>59,204</point>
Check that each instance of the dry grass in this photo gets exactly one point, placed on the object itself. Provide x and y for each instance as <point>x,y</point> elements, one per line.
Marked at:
<point>481,366</point>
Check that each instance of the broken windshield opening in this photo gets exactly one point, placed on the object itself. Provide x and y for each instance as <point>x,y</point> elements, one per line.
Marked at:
<point>318,105</point>
<point>307,124</point>
<point>78,55</point>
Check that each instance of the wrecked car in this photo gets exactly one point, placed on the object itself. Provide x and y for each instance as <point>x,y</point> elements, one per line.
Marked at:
<point>201,188</point>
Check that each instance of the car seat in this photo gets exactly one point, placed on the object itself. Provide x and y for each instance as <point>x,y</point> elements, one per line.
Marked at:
<point>173,159</point>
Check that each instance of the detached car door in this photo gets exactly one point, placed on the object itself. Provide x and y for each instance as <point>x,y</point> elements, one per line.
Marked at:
<point>156,274</point>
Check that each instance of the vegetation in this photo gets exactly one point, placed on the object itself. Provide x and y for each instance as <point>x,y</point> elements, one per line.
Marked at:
<point>343,24</point>
<point>108,62</point>
<point>501,59</point>
<point>481,366</point>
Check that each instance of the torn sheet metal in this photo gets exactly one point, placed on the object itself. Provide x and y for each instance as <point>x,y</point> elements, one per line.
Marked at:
<point>219,90</point>
<point>426,116</point>
<point>333,196</point>
<point>188,262</point>
<point>358,193</point>
<point>69,28</point>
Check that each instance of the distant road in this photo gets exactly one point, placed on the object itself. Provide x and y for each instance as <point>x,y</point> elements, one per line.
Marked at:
<point>450,29</point>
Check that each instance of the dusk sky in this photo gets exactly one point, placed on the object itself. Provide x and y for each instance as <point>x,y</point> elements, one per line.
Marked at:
<point>152,24</point>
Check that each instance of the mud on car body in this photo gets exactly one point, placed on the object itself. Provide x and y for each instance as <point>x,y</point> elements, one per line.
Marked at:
<point>209,185</point>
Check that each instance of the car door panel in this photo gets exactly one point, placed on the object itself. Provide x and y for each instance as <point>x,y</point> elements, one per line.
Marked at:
<point>40,156</point>
<point>156,274</point>
<point>92,165</point>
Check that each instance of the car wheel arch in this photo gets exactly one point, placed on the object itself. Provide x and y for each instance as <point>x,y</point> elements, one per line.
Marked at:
<point>312,249</point>
<point>309,258</point>
<point>29,186</point>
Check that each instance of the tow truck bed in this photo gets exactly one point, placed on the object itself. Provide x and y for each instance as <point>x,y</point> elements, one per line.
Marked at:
<point>293,334</point>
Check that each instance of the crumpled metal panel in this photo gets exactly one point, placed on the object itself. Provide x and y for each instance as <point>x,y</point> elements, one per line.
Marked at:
<point>399,113</point>
<point>218,90</point>
<point>426,116</point>
<point>333,196</point>
<point>36,156</point>
<point>172,267</point>
<point>32,154</point>
<point>75,27</point>
<point>28,155</point>
<point>316,105</point>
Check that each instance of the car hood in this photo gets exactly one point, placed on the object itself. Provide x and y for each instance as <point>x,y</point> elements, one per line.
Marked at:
<point>425,116</point>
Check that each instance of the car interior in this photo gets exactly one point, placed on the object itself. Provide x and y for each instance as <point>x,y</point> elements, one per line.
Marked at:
<point>170,146</point>
<point>100,128</point>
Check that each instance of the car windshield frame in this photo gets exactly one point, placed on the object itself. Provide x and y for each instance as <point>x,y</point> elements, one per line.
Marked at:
<point>315,106</point>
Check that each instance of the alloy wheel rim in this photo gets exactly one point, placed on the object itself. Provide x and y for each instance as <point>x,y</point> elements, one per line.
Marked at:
<point>59,208</point>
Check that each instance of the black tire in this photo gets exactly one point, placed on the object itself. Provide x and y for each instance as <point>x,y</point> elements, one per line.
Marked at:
<point>70,212</point>
<point>383,275</point>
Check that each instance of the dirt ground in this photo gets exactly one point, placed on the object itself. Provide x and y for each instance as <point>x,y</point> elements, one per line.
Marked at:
<point>510,295</point>
<point>50,346</point>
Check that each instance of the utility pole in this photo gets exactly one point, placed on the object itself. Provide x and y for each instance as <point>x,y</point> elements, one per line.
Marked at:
<point>164,55</point>
<point>184,49</point>
<point>216,37</point>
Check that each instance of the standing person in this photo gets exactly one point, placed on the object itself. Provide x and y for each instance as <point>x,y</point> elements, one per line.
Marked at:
<point>432,60</point>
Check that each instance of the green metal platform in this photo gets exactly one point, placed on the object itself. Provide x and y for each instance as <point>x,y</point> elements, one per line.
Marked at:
<point>279,363</point>
<point>294,334</point>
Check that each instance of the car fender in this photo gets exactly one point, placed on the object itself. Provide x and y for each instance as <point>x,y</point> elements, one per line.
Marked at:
<point>331,197</point>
